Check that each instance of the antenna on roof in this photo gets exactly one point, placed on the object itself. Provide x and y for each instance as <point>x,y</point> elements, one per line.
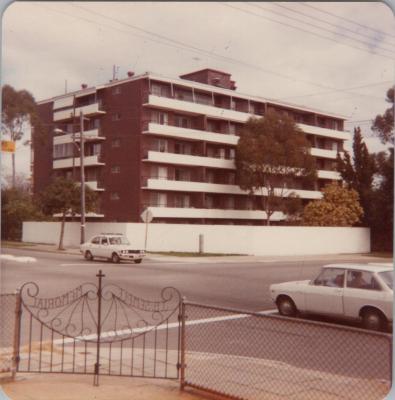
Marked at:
<point>65,86</point>
<point>115,70</point>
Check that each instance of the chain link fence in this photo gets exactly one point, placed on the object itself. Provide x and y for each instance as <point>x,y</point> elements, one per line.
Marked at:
<point>254,356</point>
<point>7,334</point>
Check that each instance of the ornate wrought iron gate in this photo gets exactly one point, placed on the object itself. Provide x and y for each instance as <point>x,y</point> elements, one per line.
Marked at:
<point>100,330</point>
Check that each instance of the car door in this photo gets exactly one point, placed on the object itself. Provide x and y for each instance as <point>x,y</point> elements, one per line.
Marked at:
<point>362,288</point>
<point>325,294</point>
<point>104,249</point>
<point>94,246</point>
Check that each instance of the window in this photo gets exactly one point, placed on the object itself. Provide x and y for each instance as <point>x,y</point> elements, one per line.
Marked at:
<point>114,196</point>
<point>93,149</point>
<point>160,90</point>
<point>333,277</point>
<point>182,121</point>
<point>96,123</point>
<point>182,200</point>
<point>232,129</point>
<point>64,150</point>
<point>104,241</point>
<point>159,117</point>
<point>232,154</point>
<point>116,169</point>
<point>116,117</point>
<point>116,143</point>
<point>362,280</point>
<point>96,240</point>
<point>116,90</point>
<point>158,199</point>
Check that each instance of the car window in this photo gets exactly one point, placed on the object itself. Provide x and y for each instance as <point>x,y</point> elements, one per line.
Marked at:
<point>96,240</point>
<point>104,241</point>
<point>362,280</point>
<point>115,240</point>
<point>387,277</point>
<point>333,277</point>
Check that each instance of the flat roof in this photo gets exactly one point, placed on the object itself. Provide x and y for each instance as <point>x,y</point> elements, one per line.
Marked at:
<point>197,85</point>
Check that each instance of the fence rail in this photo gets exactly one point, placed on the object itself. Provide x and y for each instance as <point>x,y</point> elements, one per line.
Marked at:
<point>246,355</point>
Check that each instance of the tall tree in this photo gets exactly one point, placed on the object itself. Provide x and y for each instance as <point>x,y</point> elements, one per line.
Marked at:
<point>271,155</point>
<point>18,111</point>
<point>382,228</point>
<point>17,206</point>
<point>383,125</point>
<point>359,173</point>
<point>64,196</point>
<point>338,207</point>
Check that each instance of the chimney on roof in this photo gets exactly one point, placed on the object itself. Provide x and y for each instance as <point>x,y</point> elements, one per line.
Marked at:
<point>84,86</point>
<point>130,74</point>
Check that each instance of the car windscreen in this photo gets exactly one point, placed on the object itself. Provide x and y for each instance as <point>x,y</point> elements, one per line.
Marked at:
<point>387,277</point>
<point>119,240</point>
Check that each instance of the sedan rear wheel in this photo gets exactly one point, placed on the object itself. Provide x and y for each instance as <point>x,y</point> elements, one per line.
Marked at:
<point>372,319</point>
<point>88,255</point>
<point>286,306</point>
<point>115,258</point>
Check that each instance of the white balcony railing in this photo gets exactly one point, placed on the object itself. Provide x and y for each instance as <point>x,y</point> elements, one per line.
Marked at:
<point>203,187</point>
<point>92,134</point>
<point>191,134</point>
<point>68,162</point>
<point>212,213</point>
<point>88,110</point>
<point>185,159</point>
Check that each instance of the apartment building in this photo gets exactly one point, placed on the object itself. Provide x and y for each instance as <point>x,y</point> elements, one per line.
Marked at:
<point>169,144</point>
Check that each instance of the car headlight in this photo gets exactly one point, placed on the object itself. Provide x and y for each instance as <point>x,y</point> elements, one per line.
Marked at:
<point>124,252</point>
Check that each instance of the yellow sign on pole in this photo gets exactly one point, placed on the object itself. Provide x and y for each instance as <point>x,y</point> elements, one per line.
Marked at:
<point>8,146</point>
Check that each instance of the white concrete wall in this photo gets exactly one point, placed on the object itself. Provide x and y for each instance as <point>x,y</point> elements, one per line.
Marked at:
<point>226,239</point>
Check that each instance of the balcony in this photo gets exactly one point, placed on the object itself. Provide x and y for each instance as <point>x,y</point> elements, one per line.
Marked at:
<point>211,213</point>
<point>203,187</point>
<point>88,110</point>
<point>331,133</point>
<point>333,175</point>
<point>196,108</point>
<point>91,135</point>
<point>94,185</point>
<point>186,159</point>
<point>89,161</point>
<point>190,134</point>
<point>324,153</point>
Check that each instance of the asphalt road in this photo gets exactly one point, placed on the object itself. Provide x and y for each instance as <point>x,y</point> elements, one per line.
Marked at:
<point>243,285</point>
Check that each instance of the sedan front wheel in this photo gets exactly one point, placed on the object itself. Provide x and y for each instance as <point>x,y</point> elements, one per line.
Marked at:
<point>286,306</point>
<point>115,258</point>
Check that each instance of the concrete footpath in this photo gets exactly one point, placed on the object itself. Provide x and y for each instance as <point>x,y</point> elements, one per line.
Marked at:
<point>365,258</point>
<point>80,387</point>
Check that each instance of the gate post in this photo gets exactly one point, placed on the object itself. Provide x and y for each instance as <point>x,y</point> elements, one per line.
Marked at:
<point>17,333</point>
<point>182,339</point>
<point>100,275</point>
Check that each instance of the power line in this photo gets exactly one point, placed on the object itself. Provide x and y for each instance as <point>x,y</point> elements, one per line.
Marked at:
<point>350,88</point>
<point>346,19</point>
<point>307,31</point>
<point>183,46</point>
<point>326,22</point>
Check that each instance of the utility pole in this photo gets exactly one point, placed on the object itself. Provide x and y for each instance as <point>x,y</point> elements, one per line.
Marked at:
<point>82,143</point>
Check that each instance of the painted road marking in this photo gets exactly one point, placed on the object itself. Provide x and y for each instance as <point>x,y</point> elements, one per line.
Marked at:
<point>112,334</point>
<point>10,257</point>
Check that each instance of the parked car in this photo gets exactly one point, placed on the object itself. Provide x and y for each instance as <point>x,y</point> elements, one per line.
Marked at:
<point>112,246</point>
<point>351,291</point>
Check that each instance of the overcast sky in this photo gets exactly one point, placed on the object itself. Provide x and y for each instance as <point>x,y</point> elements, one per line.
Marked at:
<point>337,57</point>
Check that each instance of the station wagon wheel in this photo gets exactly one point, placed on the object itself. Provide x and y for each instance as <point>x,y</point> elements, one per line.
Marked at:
<point>138,261</point>
<point>115,258</point>
<point>286,306</point>
<point>373,319</point>
<point>88,255</point>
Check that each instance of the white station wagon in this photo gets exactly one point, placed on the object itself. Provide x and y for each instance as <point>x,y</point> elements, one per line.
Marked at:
<point>352,291</point>
<point>112,246</point>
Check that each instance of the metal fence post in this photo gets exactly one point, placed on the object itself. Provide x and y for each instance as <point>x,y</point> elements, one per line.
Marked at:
<point>17,331</point>
<point>100,275</point>
<point>182,364</point>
